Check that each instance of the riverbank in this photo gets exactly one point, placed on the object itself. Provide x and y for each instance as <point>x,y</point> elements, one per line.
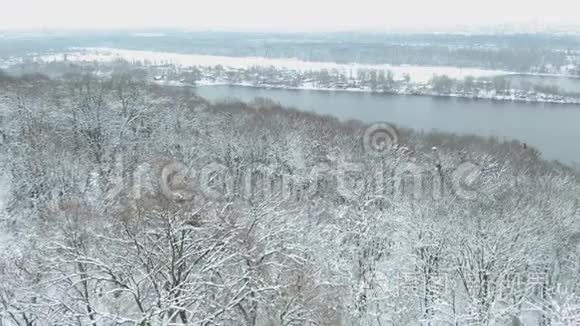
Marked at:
<point>544,126</point>
<point>514,96</point>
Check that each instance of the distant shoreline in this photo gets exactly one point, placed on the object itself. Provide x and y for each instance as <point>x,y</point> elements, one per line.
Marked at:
<point>420,75</point>
<point>573,102</point>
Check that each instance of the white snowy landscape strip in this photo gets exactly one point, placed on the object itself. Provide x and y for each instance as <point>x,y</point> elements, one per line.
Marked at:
<point>417,73</point>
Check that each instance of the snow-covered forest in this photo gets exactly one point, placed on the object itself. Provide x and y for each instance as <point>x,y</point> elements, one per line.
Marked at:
<point>126,203</point>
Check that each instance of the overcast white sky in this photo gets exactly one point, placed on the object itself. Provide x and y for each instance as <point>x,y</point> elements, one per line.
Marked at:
<point>283,15</point>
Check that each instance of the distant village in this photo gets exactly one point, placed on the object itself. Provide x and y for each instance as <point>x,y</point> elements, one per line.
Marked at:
<point>361,80</point>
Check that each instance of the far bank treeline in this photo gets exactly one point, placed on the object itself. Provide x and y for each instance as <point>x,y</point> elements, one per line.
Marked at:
<point>502,87</point>
<point>131,203</point>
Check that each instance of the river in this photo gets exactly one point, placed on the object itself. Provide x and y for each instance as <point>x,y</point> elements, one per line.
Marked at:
<point>554,129</point>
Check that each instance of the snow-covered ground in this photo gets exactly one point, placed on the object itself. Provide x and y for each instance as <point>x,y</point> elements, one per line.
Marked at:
<point>7,62</point>
<point>4,192</point>
<point>417,73</point>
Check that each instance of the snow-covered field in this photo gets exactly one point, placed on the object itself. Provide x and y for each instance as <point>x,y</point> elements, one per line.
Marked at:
<point>6,63</point>
<point>417,73</point>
